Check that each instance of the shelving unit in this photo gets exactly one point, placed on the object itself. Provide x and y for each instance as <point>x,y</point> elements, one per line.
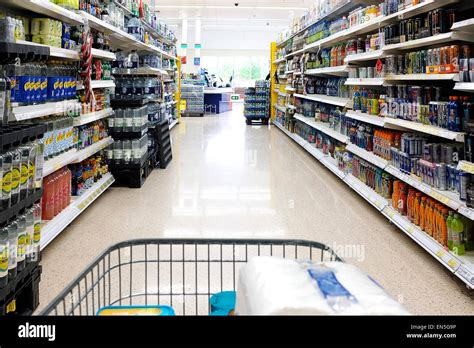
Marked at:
<point>74,156</point>
<point>93,116</point>
<point>344,102</point>
<point>52,228</point>
<point>28,112</point>
<point>461,266</point>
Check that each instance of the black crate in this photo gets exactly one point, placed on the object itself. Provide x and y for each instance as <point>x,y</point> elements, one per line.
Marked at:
<point>23,290</point>
<point>129,135</point>
<point>11,50</point>
<point>132,178</point>
<point>16,208</point>
<point>14,135</point>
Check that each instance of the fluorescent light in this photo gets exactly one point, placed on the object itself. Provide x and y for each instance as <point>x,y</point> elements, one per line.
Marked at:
<point>234,7</point>
<point>229,19</point>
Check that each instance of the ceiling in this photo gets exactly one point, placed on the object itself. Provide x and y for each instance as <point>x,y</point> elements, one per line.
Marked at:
<point>249,15</point>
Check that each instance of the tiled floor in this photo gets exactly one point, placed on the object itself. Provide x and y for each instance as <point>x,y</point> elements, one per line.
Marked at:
<point>229,180</point>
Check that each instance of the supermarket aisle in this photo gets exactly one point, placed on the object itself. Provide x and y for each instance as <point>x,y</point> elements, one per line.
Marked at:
<point>230,180</point>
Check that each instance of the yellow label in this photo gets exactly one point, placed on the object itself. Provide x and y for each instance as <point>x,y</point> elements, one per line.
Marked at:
<point>440,253</point>
<point>3,259</point>
<point>11,307</point>
<point>61,85</point>
<point>7,182</point>
<point>67,84</point>
<point>44,85</point>
<point>73,84</point>
<point>37,233</point>
<point>56,85</point>
<point>37,85</point>
<point>69,134</point>
<point>16,176</point>
<point>452,263</point>
<point>49,141</point>
<point>27,86</point>
<point>31,170</point>
<point>21,246</point>
<point>410,229</point>
<point>24,174</point>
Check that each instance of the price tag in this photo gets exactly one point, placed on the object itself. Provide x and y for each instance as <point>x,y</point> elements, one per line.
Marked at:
<point>452,263</point>
<point>440,253</point>
<point>11,307</point>
<point>57,166</point>
<point>411,229</point>
<point>466,167</point>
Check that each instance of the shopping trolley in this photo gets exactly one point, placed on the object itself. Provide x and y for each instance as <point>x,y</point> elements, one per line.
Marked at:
<point>181,273</point>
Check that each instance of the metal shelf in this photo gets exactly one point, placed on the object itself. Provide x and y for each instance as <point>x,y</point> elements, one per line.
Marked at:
<point>280,60</point>
<point>74,156</point>
<point>52,228</point>
<point>422,77</point>
<point>28,112</point>
<point>103,54</point>
<point>344,102</point>
<point>461,266</point>
<point>366,155</point>
<point>323,128</point>
<point>464,87</point>
<point>47,8</point>
<point>362,57</point>
<point>173,123</point>
<point>357,115</point>
<point>96,84</point>
<point>430,41</point>
<point>365,82</point>
<point>93,116</point>
<point>427,129</point>
<point>333,70</point>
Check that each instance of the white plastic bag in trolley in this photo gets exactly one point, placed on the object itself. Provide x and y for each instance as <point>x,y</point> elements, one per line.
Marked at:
<point>274,286</point>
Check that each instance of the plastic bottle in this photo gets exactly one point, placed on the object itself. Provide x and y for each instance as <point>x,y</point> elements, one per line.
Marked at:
<point>457,228</point>
<point>133,28</point>
<point>134,60</point>
<point>136,151</point>
<point>24,170</point>
<point>30,235</point>
<point>21,234</point>
<point>48,199</point>
<point>16,176</point>
<point>118,154</point>
<point>39,161</point>
<point>4,257</point>
<point>449,222</point>
<point>37,231</point>
<point>12,255</point>
<point>444,228</point>
<point>422,213</point>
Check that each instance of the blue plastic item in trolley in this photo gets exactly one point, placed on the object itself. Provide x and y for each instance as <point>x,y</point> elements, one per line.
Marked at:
<point>136,311</point>
<point>224,300</point>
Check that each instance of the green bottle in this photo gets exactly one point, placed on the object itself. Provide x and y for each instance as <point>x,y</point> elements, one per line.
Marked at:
<point>458,235</point>
<point>449,221</point>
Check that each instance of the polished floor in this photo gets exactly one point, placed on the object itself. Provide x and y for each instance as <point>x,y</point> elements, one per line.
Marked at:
<point>229,180</point>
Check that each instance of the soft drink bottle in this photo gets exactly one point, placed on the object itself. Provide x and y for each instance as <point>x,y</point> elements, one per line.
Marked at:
<point>30,232</point>
<point>457,228</point>
<point>13,245</point>
<point>4,245</point>
<point>21,235</point>
<point>48,198</point>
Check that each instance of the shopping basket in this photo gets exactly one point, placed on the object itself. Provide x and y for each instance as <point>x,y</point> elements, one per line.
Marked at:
<point>181,273</point>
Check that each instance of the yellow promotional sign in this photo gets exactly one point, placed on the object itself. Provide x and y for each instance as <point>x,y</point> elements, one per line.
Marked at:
<point>182,105</point>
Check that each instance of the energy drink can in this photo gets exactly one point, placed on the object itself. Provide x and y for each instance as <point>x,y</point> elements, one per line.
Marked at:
<point>387,33</point>
<point>410,29</point>
<point>450,19</point>
<point>402,30</point>
<point>391,64</point>
<point>418,24</point>
<point>401,65</point>
<point>440,176</point>
<point>463,183</point>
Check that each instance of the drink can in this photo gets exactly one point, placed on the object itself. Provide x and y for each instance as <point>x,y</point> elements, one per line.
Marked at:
<point>440,176</point>
<point>417,27</point>
<point>410,29</point>
<point>428,152</point>
<point>402,28</point>
<point>401,65</point>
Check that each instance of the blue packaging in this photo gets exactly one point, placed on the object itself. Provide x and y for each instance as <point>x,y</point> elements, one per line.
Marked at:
<point>220,313</point>
<point>223,301</point>
<point>66,32</point>
<point>136,311</point>
<point>65,43</point>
